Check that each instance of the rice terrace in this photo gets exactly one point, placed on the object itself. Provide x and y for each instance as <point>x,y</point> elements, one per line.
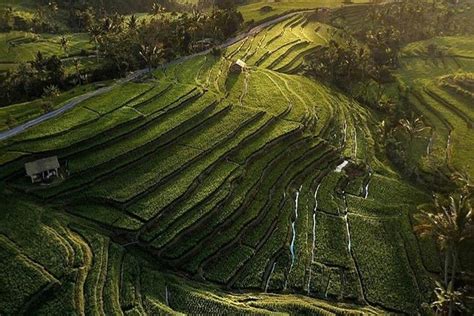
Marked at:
<point>237,157</point>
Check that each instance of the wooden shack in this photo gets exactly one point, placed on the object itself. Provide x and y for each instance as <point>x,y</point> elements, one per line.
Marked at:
<point>238,66</point>
<point>43,169</point>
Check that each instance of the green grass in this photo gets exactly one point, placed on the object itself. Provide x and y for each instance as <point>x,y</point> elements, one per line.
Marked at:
<point>445,110</point>
<point>16,114</point>
<point>19,47</point>
<point>251,12</point>
<point>23,279</point>
<point>194,174</point>
<point>386,271</point>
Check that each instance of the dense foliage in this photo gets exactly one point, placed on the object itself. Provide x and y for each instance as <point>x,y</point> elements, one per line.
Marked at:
<point>123,44</point>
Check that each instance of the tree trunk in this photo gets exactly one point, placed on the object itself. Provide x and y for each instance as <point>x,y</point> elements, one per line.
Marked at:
<point>454,267</point>
<point>454,255</point>
<point>450,312</point>
<point>446,267</point>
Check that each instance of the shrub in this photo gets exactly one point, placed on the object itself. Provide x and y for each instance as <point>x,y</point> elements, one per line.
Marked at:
<point>266,9</point>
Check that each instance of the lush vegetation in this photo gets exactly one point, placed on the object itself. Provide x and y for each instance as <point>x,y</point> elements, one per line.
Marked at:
<point>330,175</point>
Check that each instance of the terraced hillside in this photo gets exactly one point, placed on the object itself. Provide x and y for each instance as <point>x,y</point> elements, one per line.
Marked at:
<point>17,47</point>
<point>430,68</point>
<point>262,10</point>
<point>207,191</point>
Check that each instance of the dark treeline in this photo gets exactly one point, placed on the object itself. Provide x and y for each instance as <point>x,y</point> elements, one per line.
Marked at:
<point>121,44</point>
<point>62,16</point>
<point>120,6</point>
<point>371,51</point>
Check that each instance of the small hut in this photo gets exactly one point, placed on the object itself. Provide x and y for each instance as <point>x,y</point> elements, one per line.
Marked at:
<point>43,169</point>
<point>238,66</point>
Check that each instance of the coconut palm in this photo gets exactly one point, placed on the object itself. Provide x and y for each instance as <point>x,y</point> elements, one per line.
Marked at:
<point>447,299</point>
<point>133,22</point>
<point>151,54</point>
<point>449,222</point>
<point>95,33</point>
<point>64,42</point>
<point>157,9</point>
<point>464,182</point>
<point>77,64</point>
<point>413,126</point>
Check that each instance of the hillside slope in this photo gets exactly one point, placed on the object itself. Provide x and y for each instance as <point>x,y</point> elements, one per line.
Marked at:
<point>203,191</point>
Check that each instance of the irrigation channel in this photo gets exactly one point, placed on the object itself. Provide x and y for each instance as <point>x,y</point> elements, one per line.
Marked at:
<point>136,75</point>
<point>293,229</point>
<point>313,236</point>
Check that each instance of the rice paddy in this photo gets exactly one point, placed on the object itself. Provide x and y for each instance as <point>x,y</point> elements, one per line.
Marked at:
<point>206,191</point>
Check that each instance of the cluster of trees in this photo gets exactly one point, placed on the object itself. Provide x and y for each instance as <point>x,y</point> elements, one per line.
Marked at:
<point>41,77</point>
<point>388,28</point>
<point>450,222</point>
<point>220,4</point>
<point>347,62</point>
<point>339,63</point>
<point>42,20</point>
<point>60,15</point>
<point>121,6</point>
<point>416,20</point>
<point>123,44</point>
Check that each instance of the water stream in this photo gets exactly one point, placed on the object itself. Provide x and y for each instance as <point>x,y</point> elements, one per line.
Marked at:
<point>269,277</point>
<point>167,296</point>
<point>355,142</point>
<point>313,245</point>
<point>448,144</point>
<point>346,221</point>
<point>293,229</point>
<point>430,144</point>
<point>349,242</point>
<point>345,133</point>
<point>366,188</point>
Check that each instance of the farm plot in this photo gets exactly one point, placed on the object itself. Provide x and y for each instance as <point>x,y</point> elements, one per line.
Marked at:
<point>12,115</point>
<point>242,181</point>
<point>254,11</point>
<point>17,47</point>
<point>282,46</point>
<point>446,111</point>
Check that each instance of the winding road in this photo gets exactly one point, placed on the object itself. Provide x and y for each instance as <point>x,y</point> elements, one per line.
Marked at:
<point>134,75</point>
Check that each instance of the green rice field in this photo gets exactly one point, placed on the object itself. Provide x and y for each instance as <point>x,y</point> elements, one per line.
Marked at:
<point>205,191</point>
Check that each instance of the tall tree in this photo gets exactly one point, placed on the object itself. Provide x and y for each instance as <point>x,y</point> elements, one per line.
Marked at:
<point>413,126</point>
<point>447,299</point>
<point>450,221</point>
<point>95,33</point>
<point>151,54</point>
<point>64,42</point>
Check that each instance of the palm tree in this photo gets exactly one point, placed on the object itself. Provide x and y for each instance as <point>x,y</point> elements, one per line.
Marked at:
<point>64,42</point>
<point>53,7</point>
<point>446,299</point>
<point>413,127</point>
<point>77,64</point>
<point>95,33</point>
<point>450,222</point>
<point>157,9</point>
<point>133,22</point>
<point>464,182</point>
<point>151,55</point>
